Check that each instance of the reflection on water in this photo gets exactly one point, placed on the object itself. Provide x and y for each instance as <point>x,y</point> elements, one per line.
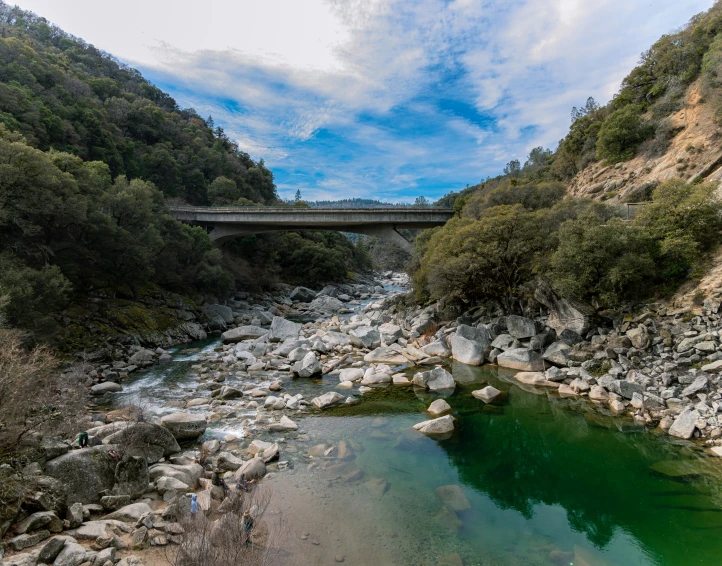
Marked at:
<point>547,481</point>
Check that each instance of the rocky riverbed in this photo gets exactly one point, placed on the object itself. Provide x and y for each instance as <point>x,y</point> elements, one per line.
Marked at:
<point>342,401</point>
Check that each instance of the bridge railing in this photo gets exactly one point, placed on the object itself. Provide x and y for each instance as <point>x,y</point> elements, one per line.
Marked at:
<point>304,210</point>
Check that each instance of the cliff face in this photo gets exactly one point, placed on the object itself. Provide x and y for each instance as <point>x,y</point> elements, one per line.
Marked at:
<point>694,152</point>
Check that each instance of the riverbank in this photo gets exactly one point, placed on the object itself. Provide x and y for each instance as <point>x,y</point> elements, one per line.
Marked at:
<point>322,414</point>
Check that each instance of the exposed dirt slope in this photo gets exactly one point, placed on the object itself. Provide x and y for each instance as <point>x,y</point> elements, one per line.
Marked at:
<point>695,151</point>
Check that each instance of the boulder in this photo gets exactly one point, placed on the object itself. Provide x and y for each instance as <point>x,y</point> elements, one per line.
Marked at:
<point>440,426</point>
<point>223,312</point>
<point>51,549</point>
<point>438,407</point>
<point>107,387</point>
<point>165,483</point>
<point>46,520</point>
<point>557,353</point>
<point>696,386</point>
<point>302,295</point>
<point>91,530</point>
<point>131,476</point>
<point>327,400</point>
<point>365,337</point>
<point>243,333</point>
<point>329,290</point>
<point>466,351</point>
<point>386,355</point>
<point>351,374</point>
<point>714,367</point>
<point>84,473</point>
<point>390,333</point>
<point>253,469</point>
<point>149,440</point>
<point>684,424</point>
<point>565,313</point>
<point>285,424</point>
<point>453,497</point>
<point>487,394</point>
<point>534,378</point>
<point>436,379</point>
<point>185,426</point>
<point>308,366</point>
<point>130,513</point>
<point>188,473</point>
<point>503,342</point>
<point>72,554</point>
<point>74,515</point>
<point>375,378</point>
<point>141,357</point>
<point>522,359</point>
<point>326,305</point>
<point>639,337</point>
<point>436,348</point>
<point>520,327</point>
<point>282,330</point>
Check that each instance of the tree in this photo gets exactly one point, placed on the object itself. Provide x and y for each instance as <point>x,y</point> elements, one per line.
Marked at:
<point>602,262</point>
<point>489,259</point>
<point>297,198</point>
<point>513,168</point>
<point>621,133</point>
<point>421,202</point>
<point>590,107</point>
<point>223,191</point>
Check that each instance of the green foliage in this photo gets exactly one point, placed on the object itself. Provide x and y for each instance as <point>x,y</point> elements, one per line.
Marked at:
<point>61,93</point>
<point>223,191</point>
<point>621,133</point>
<point>31,293</point>
<point>606,262</point>
<point>305,258</point>
<point>490,258</point>
<point>508,235</point>
<point>65,225</point>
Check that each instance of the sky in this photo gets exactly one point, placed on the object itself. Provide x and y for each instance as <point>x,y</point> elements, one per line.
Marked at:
<point>386,99</point>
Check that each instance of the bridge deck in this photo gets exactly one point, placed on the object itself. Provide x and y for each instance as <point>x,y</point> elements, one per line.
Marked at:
<point>231,222</point>
<point>316,217</point>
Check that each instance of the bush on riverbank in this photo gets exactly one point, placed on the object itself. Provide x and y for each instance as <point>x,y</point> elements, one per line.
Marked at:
<point>582,247</point>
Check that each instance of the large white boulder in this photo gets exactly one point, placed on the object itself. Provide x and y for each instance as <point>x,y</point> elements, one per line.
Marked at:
<point>365,337</point>
<point>327,400</point>
<point>282,330</point>
<point>436,379</point>
<point>308,366</point>
<point>442,425</point>
<point>522,359</point>
<point>243,333</point>
<point>185,426</point>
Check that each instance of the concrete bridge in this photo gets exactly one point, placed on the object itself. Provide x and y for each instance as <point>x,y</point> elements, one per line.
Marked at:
<point>231,222</point>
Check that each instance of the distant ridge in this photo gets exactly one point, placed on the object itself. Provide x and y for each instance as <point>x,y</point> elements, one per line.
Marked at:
<point>354,203</point>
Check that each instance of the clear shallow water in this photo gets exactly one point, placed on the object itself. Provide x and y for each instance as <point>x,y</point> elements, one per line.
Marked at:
<point>548,481</point>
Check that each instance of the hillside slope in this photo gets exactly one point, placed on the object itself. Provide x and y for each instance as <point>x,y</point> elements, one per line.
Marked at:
<point>695,152</point>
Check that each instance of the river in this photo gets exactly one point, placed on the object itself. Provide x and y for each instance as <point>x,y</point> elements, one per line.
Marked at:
<point>536,480</point>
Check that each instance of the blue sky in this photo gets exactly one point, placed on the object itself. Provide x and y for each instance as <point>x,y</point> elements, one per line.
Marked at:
<point>387,99</point>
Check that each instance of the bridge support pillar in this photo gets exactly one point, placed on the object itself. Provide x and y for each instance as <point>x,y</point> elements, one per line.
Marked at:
<point>387,232</point>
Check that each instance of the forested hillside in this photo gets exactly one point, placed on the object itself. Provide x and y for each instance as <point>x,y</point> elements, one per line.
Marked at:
<point>560,217</point>
<point>90,152</point>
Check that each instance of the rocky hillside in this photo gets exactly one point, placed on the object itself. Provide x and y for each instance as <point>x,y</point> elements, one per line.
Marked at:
<point>694,153</point>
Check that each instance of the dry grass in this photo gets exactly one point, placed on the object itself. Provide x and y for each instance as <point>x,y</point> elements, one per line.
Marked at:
<point>218,537</point>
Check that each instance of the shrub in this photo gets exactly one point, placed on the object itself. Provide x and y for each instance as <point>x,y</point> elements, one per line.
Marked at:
<point>621,133</point>
<point>602,262</point>
<point>210,539</point>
